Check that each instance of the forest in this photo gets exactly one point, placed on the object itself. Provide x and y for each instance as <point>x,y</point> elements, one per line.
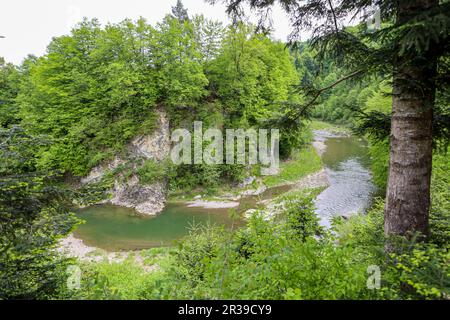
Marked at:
<point>85,132</point>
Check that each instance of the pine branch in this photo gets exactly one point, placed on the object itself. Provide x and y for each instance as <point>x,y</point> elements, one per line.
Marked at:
<point>334,16</point>
<point>319,92</point>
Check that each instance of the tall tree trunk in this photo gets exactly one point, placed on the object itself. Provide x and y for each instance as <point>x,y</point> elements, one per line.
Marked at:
<point>408,194</point>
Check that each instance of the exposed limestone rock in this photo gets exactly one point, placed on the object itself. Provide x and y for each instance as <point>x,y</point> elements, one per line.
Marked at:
<point>270,171</point>
<point>99,171</point>
<point>157,145</point>
<point>145,199</point>
<point>129,192</point>
<point>247,181</point>
<point>213,204</point>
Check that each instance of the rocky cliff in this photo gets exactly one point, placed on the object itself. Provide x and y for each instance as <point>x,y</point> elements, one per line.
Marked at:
<point>128,191</point>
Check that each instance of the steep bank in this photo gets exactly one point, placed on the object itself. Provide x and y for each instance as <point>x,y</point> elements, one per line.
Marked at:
<point>128,189</point>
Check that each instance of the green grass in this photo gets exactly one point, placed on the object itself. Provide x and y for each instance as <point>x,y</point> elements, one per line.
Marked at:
<point>334,128</point>
<point>126,279</point>
<point>305,162</point>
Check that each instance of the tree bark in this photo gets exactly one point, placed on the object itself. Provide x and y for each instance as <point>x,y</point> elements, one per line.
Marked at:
<point>408,193</point>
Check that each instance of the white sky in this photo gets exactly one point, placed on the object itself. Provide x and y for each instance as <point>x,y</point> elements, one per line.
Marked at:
<point>29,25</point>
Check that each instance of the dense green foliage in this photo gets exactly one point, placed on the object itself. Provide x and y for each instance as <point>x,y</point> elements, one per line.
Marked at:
<point>99,87</point>
<point>32,220</point>
<point>9,79</point>
<point>292,258</point>
<point>106,93</point>
<point>96,89</point>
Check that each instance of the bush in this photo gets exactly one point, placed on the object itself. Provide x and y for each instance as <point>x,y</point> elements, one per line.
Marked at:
<point>151,172</point>
<point>268,260</point>
<point>114,281</point>
<point>33,218</point>
<point>301,218</point>
<point>423,272</point>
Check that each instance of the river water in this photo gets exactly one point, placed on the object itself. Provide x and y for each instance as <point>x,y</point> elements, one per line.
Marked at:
<point>346,162</point>
<point>351,189</point>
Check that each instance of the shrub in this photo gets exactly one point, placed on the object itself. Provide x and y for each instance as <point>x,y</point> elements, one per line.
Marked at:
<point>301,218</point>
<point>151,172</point>
<point>423,271</point>
<point>268,260</point>
<point>105,280</point>
<point>440,204</point>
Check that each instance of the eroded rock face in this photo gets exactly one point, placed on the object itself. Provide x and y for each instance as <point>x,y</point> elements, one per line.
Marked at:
<point>145,199</point>
<point>99,171</point>
<point>129,192</point>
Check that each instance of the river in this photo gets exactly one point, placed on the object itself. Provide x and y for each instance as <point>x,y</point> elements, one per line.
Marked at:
<point>346,162</point>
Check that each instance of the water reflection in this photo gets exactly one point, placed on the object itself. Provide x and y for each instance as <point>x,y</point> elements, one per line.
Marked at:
<point>116,228</point>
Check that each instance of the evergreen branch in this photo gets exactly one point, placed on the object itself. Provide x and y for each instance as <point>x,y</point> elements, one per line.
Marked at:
<point>334,16</point>
<point>319,92</point>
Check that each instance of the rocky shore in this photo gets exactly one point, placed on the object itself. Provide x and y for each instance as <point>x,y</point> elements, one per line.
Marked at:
<point>76,248</point>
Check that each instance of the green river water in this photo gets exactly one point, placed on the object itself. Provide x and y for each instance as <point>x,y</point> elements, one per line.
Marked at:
<point>113,228</point>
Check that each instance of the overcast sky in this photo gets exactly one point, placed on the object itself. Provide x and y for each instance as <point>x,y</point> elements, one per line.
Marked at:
<point>28,26</point>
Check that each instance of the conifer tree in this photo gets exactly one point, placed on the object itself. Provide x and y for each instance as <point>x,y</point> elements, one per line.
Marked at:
<point>411,47</point>
<point>180,12</point>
